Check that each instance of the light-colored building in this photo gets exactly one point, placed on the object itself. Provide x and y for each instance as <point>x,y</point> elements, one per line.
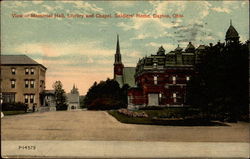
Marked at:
<point>49,101</point>
<point>73,99</point>
<point>22,80</point>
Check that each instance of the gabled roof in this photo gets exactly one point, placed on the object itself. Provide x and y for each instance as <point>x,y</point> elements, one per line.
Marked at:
<point>190,46</point>
<point>128,76</point>
<point>178,48</point>
<point>201,47</point>
<point>18,60</point>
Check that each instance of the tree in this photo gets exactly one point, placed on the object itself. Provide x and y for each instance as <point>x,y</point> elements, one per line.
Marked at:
<point>106,95</point>
<point>60,97</point>
<point>220,86</point>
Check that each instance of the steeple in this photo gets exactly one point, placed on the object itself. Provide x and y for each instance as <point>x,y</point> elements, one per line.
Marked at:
<point>118,59</point>
<point>74,90</point>
<point>231,34</point>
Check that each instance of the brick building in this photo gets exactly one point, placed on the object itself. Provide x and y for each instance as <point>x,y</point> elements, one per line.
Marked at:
<point>161,78</point>
<point>22,80</point>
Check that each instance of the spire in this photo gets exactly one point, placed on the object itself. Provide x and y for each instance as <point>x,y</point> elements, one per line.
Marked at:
<point>232,34</point>
<point>118,59</point>
<point>118,45</point>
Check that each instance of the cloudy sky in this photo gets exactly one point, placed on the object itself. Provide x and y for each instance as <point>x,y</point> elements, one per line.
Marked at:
<point>81,50</point>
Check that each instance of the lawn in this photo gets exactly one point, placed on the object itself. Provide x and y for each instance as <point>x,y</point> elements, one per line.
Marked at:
<point>13,112</point>
<point>166,116</point>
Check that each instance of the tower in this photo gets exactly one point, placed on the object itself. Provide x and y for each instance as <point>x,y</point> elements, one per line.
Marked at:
<point>232,35</point>
<point>118,66</point>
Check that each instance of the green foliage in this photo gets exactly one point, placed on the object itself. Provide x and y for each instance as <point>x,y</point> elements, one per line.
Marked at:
<point>14,112</point>
<point>220,87</point>
<point>106,95</point>
<point>60,97</point>
<point>82,105</point>
<point>14,107</point>
<point>162,121</point>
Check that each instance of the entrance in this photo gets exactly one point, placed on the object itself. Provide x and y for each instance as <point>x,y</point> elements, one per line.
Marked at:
<point>153,99</point>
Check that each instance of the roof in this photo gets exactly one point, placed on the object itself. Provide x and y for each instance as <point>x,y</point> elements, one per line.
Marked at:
<point>49,91</point>
<point>18,60</point>
<point>72,98</point>
<point>190,46</point>
<point>128,76</point>
<point>201,47</point>
<point>178,48</point>
<point>231,32</point>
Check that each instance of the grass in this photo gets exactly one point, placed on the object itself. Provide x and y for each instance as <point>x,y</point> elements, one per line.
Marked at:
<point>13,112</point>
<point>163,117</point>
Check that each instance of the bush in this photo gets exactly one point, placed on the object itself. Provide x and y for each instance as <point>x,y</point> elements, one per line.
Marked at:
<point>151,108</point>
<point>104,104</point>
<point>62,107</point>
<point>14,106</point>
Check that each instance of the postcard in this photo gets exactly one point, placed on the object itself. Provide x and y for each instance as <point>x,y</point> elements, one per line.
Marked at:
<point>124,79</point>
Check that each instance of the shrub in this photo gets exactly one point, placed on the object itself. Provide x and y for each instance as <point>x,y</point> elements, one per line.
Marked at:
<point>14,106</point>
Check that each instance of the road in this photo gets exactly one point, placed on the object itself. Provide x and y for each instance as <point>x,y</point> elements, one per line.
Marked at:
<point>99,125</point>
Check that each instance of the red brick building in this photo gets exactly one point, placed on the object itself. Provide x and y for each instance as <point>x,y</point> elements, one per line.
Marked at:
<point>161,78</point>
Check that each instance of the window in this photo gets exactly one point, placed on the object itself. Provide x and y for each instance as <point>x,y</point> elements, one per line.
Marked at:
<point>160,97</point>
<point>31,98</point>
<point>8,97</point>
<point>32,71</point>
<point>26,83</point>
<point>187,78</point>
<point>26,71</point>
<point>155,80</point>
<point>174,96</point>
<point>13,83</point>
<point>174,79</point>
<point>155,65</point>
<point>41,83</point>
<point>32,84</point>
<point>13,71</point>
<point>26,98</point>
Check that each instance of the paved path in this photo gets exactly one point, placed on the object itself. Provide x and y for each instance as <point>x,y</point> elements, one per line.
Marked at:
<point>99,125</point>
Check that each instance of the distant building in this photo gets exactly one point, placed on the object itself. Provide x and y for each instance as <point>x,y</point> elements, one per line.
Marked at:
<point>161,78</point>
<point>73,99</point>
<point>22,80</point>
<point>49,102</point>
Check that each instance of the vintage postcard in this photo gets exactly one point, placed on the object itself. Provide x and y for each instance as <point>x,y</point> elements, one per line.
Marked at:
<point>124,79</point>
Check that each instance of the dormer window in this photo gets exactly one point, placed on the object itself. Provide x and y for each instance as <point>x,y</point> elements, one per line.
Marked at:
<point>13,71</point>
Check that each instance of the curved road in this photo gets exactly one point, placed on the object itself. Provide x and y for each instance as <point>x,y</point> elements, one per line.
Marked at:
<point>99,125</point>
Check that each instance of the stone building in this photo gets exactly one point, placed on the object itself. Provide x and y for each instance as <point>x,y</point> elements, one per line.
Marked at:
<point>73,99</point>
<point>22,80</point>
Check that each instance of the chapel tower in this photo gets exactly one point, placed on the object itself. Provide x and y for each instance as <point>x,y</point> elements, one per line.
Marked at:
<point>118,66</point>
<point>232,35</point>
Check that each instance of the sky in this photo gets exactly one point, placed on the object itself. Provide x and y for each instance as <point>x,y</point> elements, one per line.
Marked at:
<point>81,50</point>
